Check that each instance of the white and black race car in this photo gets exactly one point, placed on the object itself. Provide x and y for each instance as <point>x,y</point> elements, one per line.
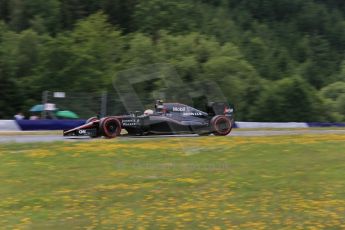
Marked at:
<point>165,119</point>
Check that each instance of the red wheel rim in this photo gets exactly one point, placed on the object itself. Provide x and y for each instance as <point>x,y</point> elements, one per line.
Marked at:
<point>111,127</point>
<point>222,126</point>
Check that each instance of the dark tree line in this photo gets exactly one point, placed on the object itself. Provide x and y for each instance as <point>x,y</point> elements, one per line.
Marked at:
<point>277,60</point>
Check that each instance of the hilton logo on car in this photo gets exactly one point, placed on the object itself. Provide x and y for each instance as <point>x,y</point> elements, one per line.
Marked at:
<point>130,122</point>
<point>179,109</point>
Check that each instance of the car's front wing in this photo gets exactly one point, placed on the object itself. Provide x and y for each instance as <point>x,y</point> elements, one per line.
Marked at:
<point>82,132</point>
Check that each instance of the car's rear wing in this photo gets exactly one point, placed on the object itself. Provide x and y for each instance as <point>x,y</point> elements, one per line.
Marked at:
<point>219,108</point>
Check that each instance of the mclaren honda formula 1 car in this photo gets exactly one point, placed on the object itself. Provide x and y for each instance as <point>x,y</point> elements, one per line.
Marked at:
<point>165,119</point>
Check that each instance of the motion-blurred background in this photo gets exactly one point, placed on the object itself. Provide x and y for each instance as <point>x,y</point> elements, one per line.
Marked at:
<point>280,60</point>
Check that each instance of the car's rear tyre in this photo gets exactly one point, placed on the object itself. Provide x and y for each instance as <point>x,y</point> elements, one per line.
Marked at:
<point>91,119</point>
<point>110,127</point>
<point>221,125</point>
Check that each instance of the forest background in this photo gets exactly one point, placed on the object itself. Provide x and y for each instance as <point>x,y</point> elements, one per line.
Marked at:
<point>280,60</point>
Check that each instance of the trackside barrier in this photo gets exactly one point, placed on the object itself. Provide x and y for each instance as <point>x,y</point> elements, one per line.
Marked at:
<point>48,124</point>
<point>27,125</point>
<point>253,125</point>
<point>325,124</point>
<point>9,125</point>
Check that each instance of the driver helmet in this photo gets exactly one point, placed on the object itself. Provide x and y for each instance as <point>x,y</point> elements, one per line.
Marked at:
<point>148,112</point>
<point>159,105</point>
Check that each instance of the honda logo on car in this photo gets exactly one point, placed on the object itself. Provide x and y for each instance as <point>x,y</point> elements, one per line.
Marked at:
<point>192,114</point>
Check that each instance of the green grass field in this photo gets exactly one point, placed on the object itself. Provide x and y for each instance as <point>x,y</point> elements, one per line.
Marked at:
<point>277,182</point>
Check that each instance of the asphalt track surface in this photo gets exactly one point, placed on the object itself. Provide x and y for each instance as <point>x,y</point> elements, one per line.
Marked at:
<point>50,137</point>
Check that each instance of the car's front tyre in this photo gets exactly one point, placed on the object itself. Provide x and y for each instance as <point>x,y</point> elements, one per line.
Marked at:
<point>110,127</point>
